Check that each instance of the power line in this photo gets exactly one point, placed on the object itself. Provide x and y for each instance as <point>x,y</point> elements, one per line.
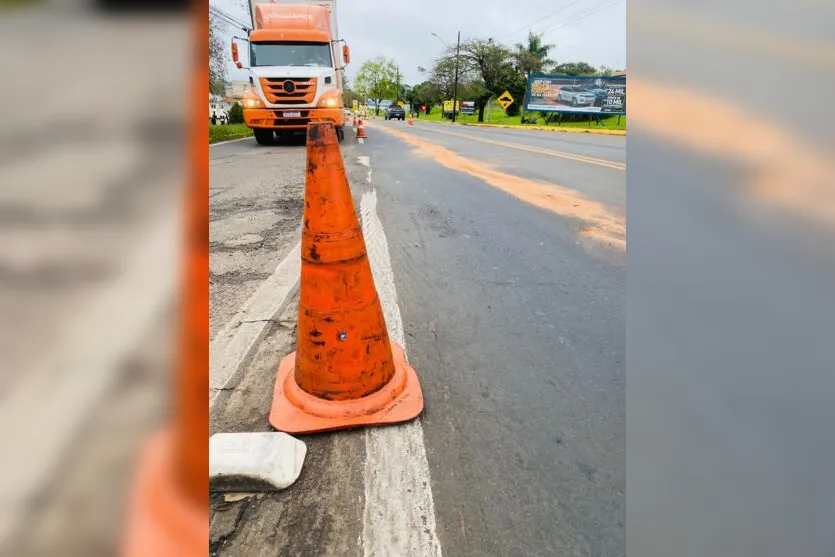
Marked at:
<point>581,16</point>
<point>540,20</point>
<point>228,18</point>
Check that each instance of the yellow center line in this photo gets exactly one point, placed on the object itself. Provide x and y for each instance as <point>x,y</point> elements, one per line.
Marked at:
<point>539,150</point>
<point>601,223</point>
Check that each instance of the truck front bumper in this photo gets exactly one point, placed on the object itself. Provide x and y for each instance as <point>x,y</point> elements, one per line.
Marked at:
<point>286,118</point>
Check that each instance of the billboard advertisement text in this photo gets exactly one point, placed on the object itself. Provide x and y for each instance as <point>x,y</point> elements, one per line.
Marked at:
<point>577,94</point>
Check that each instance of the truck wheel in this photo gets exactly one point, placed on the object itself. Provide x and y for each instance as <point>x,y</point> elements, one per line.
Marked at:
<point>264,137</point>
<point>340,133</point>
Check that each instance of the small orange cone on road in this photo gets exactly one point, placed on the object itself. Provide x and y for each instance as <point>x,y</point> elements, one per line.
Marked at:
<point>411,121</point>
<point>360,130</point>
<point>345,371</point>
<point>355,120</point>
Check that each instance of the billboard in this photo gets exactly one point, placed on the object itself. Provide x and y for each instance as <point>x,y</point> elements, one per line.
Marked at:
<point>578,94</point>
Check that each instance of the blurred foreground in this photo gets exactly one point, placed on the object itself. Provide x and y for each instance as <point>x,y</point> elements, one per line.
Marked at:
<point>731,269</point>
<point>92,163</point>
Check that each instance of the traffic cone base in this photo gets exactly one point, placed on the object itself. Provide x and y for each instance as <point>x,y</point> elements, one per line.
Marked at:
<point>161,520</point>
<point>360,130</point>
<point>296,411</point>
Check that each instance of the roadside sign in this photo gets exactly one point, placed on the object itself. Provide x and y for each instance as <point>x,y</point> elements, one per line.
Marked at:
<point>448,106</point>
<point>505,99</point>
<point>355,104</point>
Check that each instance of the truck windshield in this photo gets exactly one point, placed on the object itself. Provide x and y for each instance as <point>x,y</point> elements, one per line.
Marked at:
<point>290,54</point>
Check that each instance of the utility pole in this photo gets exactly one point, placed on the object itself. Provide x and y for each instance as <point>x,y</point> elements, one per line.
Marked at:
<point>455,85</point>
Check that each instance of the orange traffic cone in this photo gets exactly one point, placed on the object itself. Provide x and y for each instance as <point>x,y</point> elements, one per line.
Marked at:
<point>411,122</point>
<point>355,120</point>
<point>345,371</point>
<point>360,131</point>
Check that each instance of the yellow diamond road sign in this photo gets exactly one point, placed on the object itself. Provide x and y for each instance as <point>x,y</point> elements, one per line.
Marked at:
<point>505,99</point>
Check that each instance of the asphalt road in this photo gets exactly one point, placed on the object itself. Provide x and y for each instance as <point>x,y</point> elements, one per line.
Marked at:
<point>518,331</point>
<point>514,319</point>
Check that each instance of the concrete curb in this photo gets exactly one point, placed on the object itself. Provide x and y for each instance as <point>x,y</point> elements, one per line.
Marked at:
<point>238,339</point>
<point>549,129</point>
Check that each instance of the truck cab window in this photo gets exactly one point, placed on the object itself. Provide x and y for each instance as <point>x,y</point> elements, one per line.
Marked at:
<point>290,54</point>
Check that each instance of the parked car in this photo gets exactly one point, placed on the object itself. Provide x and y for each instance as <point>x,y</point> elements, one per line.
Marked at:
<point>599,95</point>
<point>576,95</point>
<point>395,111</point>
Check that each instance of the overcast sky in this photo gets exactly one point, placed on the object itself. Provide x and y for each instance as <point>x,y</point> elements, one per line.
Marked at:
<point>592,31</point>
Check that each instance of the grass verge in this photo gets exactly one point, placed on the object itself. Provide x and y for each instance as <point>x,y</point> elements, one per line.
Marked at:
<point>499,117</point>
<point>227,132</point>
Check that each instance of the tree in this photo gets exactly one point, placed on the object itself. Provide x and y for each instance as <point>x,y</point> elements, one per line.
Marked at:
<point>376,80</point>
<point>491,63</point>
<point>217,60</point>
<point>533,56</point>
<point>236,114</point>
<point>575,68</point>
<point>443,76</point>
<point>423,93</point>
<point>606,71</point>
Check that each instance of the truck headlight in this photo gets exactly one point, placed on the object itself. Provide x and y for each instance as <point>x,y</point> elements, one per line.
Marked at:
<point>330,99</point>
<point>253,102</point>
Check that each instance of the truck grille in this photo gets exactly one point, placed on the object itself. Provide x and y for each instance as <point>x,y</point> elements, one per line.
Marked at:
<point>277,119</point>
<point>289,90</point>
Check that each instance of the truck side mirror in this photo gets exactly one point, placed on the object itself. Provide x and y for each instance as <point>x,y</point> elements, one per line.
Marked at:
<point>235,53</point>
<point>346,54</point>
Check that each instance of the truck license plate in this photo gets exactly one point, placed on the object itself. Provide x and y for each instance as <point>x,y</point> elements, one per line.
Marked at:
<point>292,114</point>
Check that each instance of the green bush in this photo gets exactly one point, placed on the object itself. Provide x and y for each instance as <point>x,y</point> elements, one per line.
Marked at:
<point>236,114</point>
<point>530,118</point>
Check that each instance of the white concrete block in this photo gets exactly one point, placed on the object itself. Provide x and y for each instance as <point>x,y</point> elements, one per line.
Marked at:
<point>247,462</point>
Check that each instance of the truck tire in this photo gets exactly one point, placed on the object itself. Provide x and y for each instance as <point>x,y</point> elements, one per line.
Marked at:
<point>264,137</point>
<point>340,133</point>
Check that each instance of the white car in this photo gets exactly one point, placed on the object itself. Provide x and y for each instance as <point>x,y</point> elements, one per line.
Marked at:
<point>576,95</point>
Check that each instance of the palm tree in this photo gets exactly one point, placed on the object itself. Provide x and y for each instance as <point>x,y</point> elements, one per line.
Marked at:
<point>534,55</point>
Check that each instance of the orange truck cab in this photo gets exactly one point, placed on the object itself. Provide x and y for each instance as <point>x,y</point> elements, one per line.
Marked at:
<point>296,65</point>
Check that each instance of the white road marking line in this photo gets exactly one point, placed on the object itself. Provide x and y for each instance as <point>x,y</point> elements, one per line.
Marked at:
<point>244,331</point>
<point>229,141</point>
<point>399,515</point>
